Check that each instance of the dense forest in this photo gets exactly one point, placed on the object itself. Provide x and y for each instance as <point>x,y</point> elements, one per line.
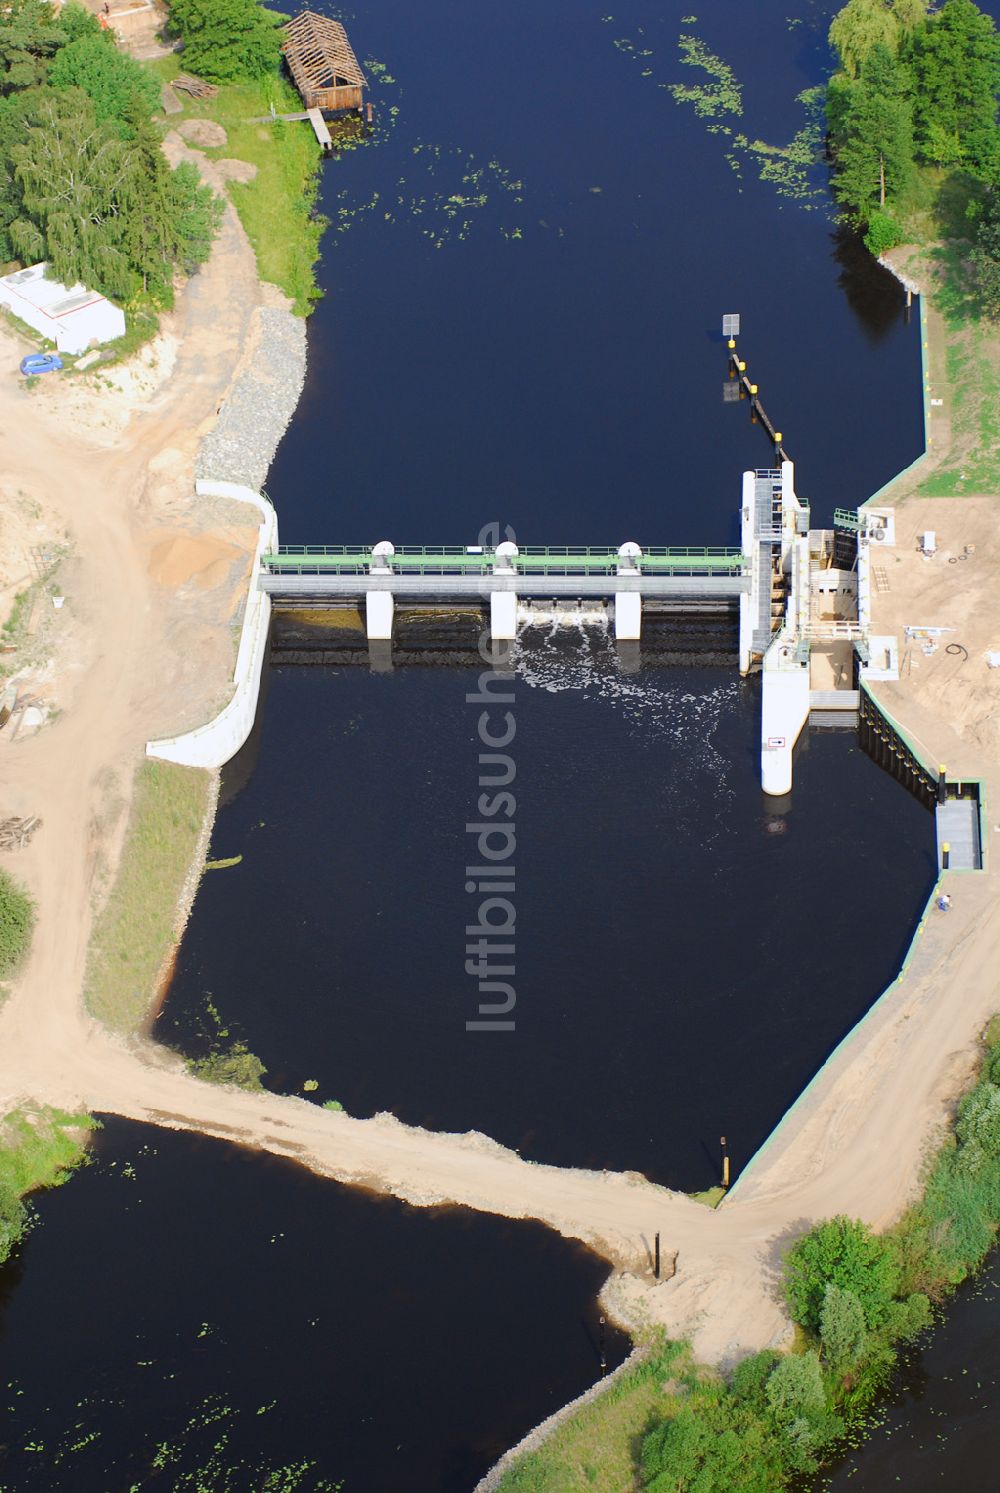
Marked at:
<point>912,120</point>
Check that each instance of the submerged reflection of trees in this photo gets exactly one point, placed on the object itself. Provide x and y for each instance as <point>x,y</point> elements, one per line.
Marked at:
<point>873,294</point>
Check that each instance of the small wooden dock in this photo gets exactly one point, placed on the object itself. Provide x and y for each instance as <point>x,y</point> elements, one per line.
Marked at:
<point>320,130</point>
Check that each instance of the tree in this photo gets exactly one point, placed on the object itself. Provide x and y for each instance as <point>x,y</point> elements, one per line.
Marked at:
<point>197,215</point>
<point>956,65</point>
<point>842,1328</point>
<point>225,40</point>
<point>875,150</point>
<point>795,1389</point>
<point>106,211</point>
<point>73,175</point>
<point>112,80</point>
<point>846,1252</point>
<point>29,36</point>
<point>171,217</point>
<point>796,1397</point>
<point>76,20</point>
<point>860,26</point>
<point>750,1378</point>
<point>910,14</point>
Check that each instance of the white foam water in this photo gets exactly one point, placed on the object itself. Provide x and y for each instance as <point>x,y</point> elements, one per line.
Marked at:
<point>580,657</point>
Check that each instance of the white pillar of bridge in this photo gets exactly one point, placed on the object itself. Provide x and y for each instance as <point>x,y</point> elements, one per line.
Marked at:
<point>380,605</point>
<point>628,604</point>
<point>503,604</point>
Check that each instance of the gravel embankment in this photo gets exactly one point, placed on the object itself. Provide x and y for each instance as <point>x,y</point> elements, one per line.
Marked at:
<point>242,444</point>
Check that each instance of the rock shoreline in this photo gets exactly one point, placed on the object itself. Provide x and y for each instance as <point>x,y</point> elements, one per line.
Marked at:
<point>253,419</point>
<point>537,1437</point>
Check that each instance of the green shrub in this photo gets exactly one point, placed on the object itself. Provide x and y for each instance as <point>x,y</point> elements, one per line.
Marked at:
<point>961,1222</point>
<point>238,1065</point>
<point>712,1444</point>
<point>846,1252</point>
<point>17,916</point>
<point>883,233</point>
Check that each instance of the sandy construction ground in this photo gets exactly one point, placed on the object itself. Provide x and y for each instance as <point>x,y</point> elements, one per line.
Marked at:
<point>151,586</point>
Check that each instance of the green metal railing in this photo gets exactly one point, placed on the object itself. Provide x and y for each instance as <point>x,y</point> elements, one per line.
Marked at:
<point>348,559</point>
<point>846,518</point>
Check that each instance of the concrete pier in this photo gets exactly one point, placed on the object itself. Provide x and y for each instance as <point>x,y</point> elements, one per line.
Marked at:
<point>628,616</point>
<point>380,603</point>
<point>503,615</point>
<point>784,711</point>
<point>628,604</point>
<point>379,608</point>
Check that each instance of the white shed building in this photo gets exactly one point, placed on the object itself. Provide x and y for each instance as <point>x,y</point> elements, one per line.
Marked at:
<point>70,316</point>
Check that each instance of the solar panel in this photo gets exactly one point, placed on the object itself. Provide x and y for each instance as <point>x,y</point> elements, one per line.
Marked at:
<point>731,325</point>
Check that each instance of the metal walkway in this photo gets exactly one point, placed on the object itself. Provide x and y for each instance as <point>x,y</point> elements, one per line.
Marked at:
<point>704,573</point>
<point>958,828</point>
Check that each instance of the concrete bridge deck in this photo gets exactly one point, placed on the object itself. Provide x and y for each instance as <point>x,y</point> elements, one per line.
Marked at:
<point>336,584</point>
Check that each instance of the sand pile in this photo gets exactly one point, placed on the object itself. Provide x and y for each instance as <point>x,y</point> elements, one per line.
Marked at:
<point>201,560</point>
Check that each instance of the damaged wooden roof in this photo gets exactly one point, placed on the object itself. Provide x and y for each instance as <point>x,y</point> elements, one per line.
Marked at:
<point>319,54</point>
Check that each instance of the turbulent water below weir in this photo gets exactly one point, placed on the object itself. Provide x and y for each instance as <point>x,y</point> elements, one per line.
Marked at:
<point>525,278</point>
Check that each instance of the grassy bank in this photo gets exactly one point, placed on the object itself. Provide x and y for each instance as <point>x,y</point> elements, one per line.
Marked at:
<point>671,1425</point>
<point>596,1448</point>
<point>969,379</point>
<point>38,1148</point>
<point>276,208</point>
<point>136,929</point>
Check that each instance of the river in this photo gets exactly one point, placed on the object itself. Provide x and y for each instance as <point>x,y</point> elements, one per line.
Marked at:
<point>524,282</point>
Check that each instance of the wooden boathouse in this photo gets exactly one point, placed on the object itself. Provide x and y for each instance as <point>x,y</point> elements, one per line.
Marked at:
<point>322,63</point>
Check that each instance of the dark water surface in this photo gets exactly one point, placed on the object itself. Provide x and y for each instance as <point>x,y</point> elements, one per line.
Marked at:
<point>180,1291</point>
<point>530,336</point>
<point>685,958</point>
<point>552,358</point>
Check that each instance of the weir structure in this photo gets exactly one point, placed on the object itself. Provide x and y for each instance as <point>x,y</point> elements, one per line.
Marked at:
<point>802,597</point>
<point>766,579</point>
